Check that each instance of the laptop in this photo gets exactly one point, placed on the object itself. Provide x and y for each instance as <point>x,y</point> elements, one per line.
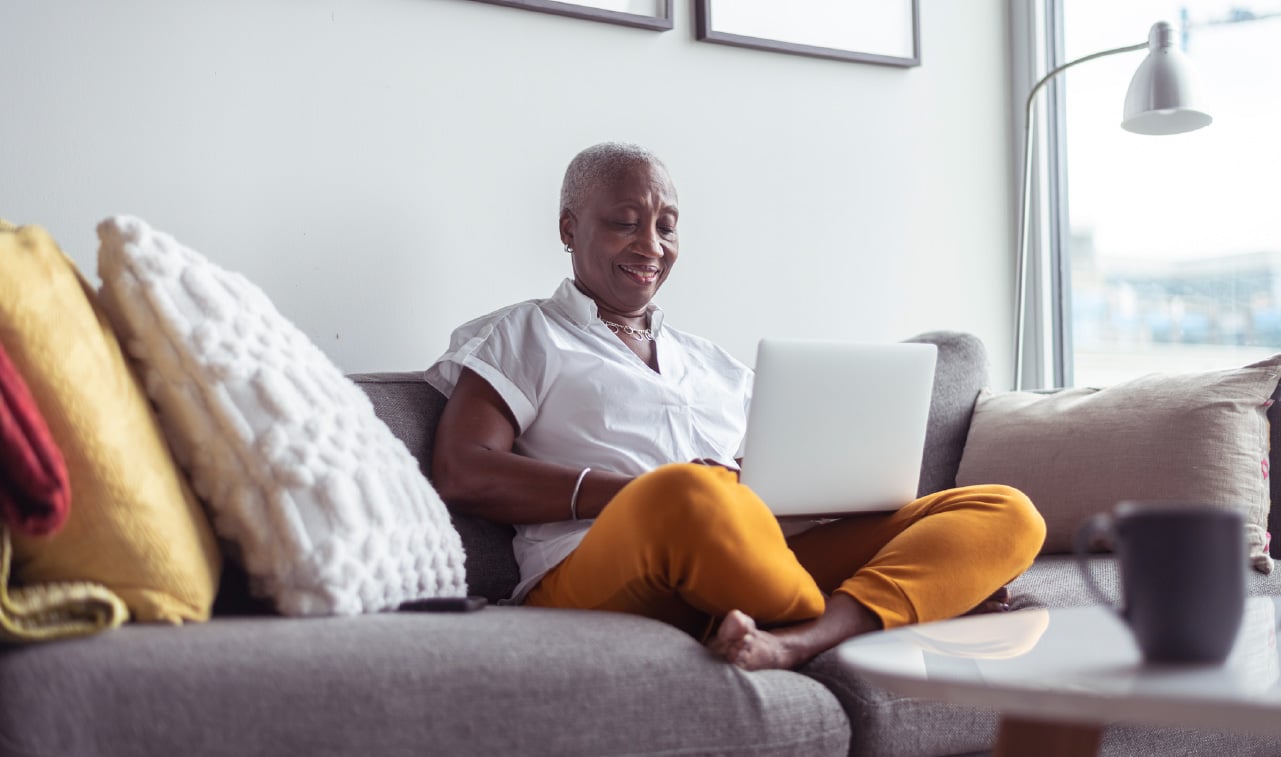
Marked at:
<point>837,428</point>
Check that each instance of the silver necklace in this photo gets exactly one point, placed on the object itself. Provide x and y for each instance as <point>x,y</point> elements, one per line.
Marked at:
<point>639,335</point>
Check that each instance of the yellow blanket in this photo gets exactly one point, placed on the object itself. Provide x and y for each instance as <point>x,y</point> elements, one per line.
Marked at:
<point>47,611</point>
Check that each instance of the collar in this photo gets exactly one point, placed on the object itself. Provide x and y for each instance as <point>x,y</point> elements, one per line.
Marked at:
<point>582,311</point>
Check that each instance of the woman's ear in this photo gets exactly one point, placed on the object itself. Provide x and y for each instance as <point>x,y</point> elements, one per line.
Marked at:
<point>567,222</point>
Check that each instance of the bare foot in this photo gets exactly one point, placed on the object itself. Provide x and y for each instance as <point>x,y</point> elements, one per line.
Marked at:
<point>998,602</point>
<point>740,642</point>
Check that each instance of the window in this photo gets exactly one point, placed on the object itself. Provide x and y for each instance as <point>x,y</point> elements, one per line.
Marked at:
<point>1173,243</point>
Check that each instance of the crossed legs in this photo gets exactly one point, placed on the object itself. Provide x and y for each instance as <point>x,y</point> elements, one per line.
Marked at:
<point>689,545</point>
<point>940,556</point>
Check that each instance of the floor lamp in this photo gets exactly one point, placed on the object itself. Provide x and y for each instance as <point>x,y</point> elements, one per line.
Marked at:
<point>1163,98</point>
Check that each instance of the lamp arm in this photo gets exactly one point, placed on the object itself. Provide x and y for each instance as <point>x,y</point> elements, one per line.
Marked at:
<point>1026,206</point>
<point>1092,56</point>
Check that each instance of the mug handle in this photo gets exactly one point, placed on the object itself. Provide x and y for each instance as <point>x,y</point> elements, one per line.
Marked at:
<point>1098,525</point>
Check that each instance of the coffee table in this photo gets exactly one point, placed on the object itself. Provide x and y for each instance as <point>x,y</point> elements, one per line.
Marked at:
<point>1058,676</point>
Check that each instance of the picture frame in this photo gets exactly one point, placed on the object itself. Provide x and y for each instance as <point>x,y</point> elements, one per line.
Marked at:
<point>625,12</point>
<point>883,32</point>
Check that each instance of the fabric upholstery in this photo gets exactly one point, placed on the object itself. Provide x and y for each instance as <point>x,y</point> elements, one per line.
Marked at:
<point>133,524</point>
<point>498,681</point>
<point>1197,438</point>
<point>34,492</point>
<point>327,510</point>
<point>889,725</point>
<point>960,373</point>
<point>1056,581</point>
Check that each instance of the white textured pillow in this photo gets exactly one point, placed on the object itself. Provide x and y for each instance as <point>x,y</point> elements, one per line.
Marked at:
<point>329,511</point>
<point>1178,438</point>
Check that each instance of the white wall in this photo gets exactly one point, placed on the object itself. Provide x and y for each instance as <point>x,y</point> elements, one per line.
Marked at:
<point>386,169</point>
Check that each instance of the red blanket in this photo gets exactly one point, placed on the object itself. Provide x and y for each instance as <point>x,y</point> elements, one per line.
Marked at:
<point>34,492</point>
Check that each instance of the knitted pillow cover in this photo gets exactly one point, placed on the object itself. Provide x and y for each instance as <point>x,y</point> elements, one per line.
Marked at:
<point>133,524</point>
<point>327,509</point>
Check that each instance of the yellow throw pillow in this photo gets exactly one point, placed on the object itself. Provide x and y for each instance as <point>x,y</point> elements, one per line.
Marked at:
<point>134,525</point>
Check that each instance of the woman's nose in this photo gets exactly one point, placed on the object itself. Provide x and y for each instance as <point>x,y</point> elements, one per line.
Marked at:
<point>650,243</point>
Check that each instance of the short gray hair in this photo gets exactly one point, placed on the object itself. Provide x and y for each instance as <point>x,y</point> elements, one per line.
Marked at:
<point>599,163</point>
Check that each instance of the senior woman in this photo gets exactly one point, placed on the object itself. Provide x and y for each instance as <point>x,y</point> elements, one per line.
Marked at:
<point>606,437</point>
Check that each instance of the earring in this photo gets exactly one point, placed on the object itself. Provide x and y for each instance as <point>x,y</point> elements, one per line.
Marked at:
<point>568,248</point>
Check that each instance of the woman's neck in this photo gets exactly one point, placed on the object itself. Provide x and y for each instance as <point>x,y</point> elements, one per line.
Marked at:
<point>631,319</point>
<point>640,317</point>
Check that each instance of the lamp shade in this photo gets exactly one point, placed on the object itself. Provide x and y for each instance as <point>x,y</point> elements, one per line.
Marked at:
<point>1165,94</point>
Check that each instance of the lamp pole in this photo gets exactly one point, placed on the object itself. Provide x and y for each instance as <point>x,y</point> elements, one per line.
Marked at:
<point>1026,206</point>
<point>1162,99</point>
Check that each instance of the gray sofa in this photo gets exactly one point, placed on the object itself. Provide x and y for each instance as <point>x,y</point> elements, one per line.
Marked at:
<point>506,680</point>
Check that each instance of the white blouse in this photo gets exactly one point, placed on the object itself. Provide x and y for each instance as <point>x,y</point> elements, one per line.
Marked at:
<point>582,398</point>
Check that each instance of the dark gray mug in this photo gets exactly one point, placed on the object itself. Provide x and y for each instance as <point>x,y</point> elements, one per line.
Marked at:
<point>1182,576</point>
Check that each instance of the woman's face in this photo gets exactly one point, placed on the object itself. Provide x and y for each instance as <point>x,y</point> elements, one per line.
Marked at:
<point>623,236</point>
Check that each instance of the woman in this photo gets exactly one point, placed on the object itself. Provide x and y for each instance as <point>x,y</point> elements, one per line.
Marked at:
<point>607,437</point>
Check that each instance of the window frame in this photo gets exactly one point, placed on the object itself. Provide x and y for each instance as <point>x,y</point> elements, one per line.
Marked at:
<point>1038,47</point>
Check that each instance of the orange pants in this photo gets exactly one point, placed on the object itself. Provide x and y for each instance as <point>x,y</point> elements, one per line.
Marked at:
<point>687,543</point>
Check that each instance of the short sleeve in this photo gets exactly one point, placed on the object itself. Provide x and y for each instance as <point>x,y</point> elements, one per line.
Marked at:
<point>509,349</point>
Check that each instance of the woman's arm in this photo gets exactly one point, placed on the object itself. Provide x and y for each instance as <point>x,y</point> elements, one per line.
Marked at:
<point>476,472</point>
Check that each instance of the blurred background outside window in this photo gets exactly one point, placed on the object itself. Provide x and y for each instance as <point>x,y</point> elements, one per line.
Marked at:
<point>1174,242</point>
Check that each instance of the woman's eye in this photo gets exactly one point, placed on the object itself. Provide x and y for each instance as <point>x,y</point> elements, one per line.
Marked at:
<point>667,231</point>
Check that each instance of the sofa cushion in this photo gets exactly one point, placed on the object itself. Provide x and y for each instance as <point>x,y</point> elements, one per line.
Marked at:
<point>133,524</point>
<point>1179,438</point>
<point>1056,581</point>
<point>499,681</point>
<point>888,725</point>
<point>326,509</point>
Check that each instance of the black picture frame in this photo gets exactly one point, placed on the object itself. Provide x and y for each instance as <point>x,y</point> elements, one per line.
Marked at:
<point>661,20</point>
<point>707,30</point>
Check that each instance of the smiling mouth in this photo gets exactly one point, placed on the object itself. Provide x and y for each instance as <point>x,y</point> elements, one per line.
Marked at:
<point>643,274</point>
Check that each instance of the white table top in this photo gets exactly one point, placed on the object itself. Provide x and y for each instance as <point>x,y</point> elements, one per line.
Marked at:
<point>1077,665</point>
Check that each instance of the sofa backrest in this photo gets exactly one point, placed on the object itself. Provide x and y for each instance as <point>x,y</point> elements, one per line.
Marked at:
<point>411,408</point>
<point>959,376</point>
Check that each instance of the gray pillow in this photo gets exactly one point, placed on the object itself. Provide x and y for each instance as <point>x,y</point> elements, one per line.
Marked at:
<point>1180,438</point>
